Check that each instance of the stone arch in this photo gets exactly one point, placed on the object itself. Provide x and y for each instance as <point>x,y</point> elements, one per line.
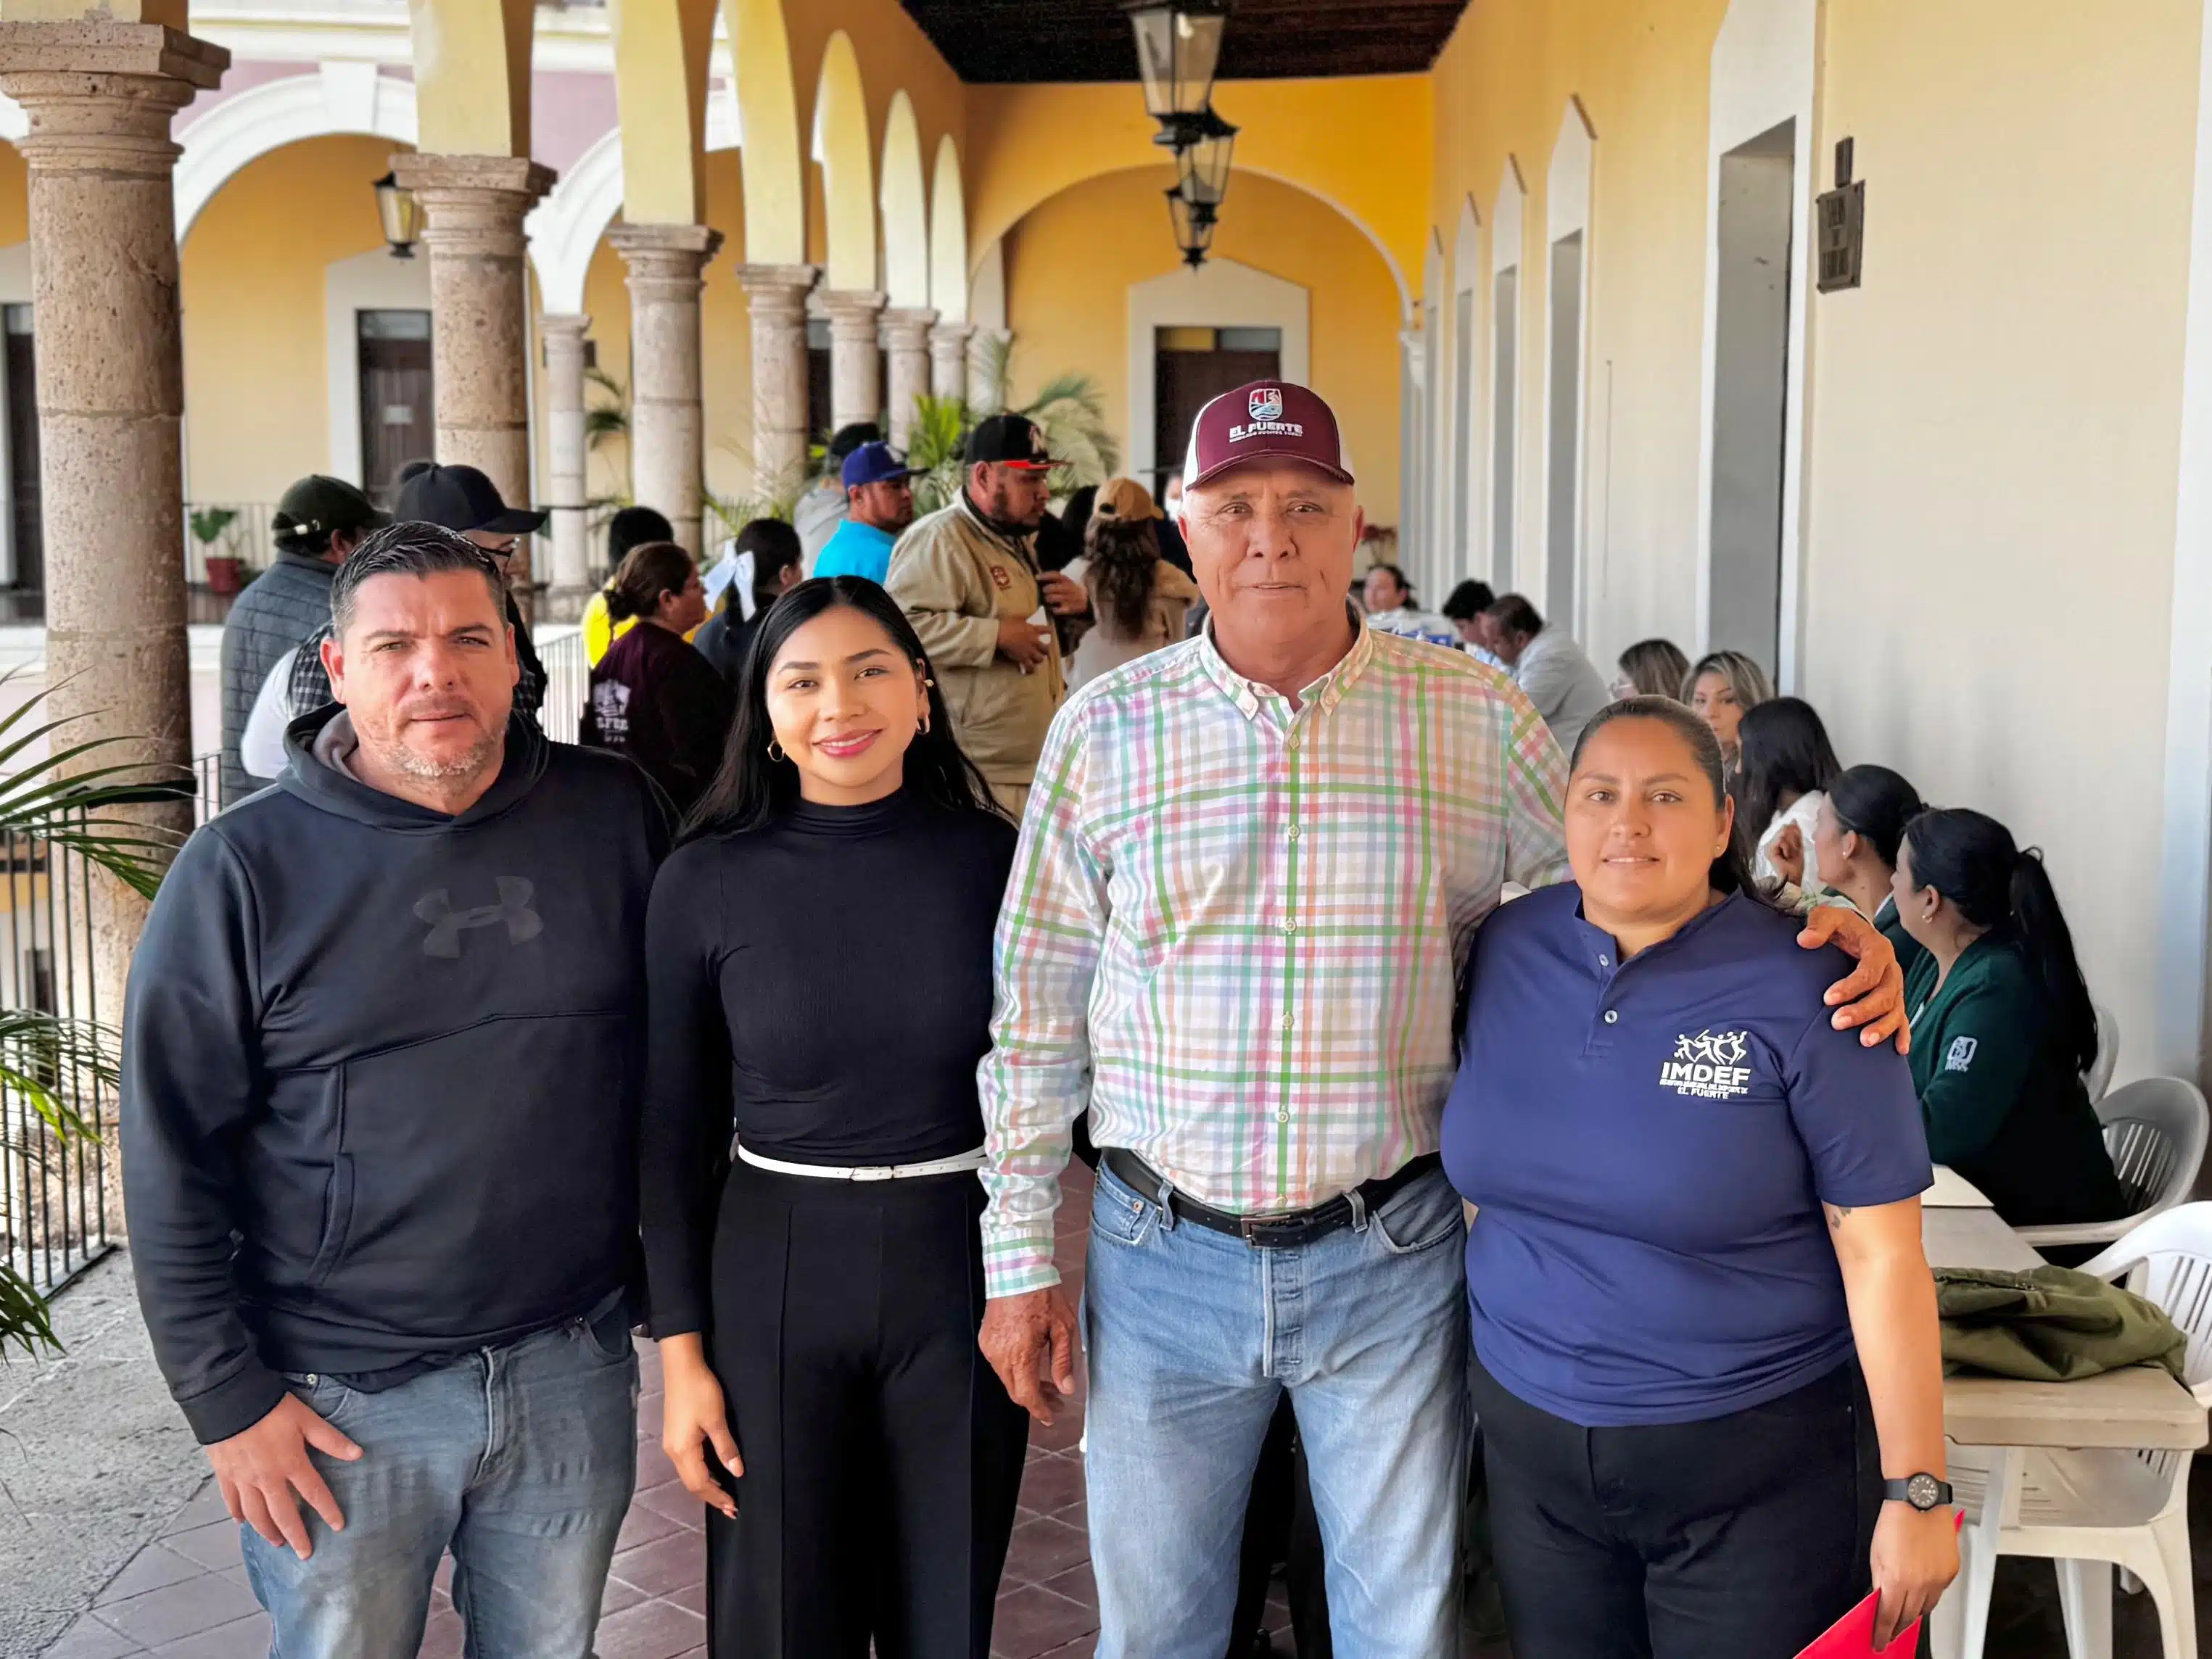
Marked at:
<point>905,205</point>
<point>565,228</point>
<point>842,148</point>
<point>768,116</point>
<point>660,50</point>
<point>948,236</point>
<point>340,98</point>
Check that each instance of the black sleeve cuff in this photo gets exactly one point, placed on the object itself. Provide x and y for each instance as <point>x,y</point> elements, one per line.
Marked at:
<point>235,1406</point>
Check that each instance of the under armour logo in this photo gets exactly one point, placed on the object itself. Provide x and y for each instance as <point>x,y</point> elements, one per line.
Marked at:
<point>447,924</point>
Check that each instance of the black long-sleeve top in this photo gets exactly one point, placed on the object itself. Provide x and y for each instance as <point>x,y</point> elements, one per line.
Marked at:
<point>822,987</point>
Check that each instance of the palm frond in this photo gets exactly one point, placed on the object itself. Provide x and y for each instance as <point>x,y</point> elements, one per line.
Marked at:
<point>23,1315</point>
<point>59,799</point>
<point>993,358</point>
<point>49,1060</point>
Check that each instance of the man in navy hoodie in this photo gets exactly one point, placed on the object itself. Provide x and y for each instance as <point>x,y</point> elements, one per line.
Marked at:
<point>379,1083</point>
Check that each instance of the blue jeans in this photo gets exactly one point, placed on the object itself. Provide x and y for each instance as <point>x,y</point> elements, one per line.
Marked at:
<point>521,1460</point>
<point>1192,1335</point>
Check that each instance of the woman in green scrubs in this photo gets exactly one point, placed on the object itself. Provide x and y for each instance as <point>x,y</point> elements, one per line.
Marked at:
<point>2003,1027</point>
<point>1855,842</point>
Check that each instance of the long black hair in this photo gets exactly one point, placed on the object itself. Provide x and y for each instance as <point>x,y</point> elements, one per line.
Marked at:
<point>753,788</point>
<point>1731,870</point>
<point>1875,804</point>
<point>1972,861</point>
<point>1782,749</point>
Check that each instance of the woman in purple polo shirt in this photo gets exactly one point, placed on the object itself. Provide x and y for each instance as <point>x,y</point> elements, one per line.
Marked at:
<point>1706,1355</point>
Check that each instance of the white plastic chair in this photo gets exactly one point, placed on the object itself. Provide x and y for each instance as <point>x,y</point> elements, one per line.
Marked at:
<point>2098,1077</point>
<point>2090,1510</point>
<point>2155,1129</point>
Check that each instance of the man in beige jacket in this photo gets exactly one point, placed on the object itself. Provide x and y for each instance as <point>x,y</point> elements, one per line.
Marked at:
<point>967,578</point>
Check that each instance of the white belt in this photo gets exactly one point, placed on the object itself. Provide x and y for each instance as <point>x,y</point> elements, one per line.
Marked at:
<point>964,1163</point>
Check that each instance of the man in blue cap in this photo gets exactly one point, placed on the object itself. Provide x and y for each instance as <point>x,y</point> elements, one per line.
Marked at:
<point>878,505</point>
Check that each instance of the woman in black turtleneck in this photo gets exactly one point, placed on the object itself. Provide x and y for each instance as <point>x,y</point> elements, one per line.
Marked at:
<point>819,966</point>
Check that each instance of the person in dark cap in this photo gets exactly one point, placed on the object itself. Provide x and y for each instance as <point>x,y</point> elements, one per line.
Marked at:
<point>822,507</point>
<point>878,506</point>
<point>967,578</point>
<point>316,525</point>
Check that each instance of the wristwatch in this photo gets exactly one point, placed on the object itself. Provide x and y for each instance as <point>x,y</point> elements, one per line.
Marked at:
<point>1923,1491</point>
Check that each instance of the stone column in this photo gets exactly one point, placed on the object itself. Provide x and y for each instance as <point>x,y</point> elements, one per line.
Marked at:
<point>667,430</point>
<point>984,393</point>
<point>776,296</point>
<point>906,344</point>
<point>948,360</point>
<point>856,363</point>
<point>99,96</point>
<point>472,212</point>
<point>562,334</point>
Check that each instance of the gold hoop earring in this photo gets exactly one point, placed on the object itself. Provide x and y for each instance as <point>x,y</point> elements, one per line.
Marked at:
<point>922,726</point>
<point>775,751</point>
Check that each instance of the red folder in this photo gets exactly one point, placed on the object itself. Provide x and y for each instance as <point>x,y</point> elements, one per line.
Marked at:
<point>1852,1637</point>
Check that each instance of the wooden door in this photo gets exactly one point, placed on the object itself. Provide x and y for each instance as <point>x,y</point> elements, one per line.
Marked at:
<point>28,526</point>
<point>398,411</point>
<point>1191,366</point>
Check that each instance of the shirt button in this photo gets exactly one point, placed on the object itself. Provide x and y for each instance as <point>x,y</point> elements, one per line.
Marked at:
<point>1290,928</point>
<point>1294,832</point>
<point>1613,1016</point>
<point>1605,962</point>
<point>1282,1117</point>
<point>1287,1022</point>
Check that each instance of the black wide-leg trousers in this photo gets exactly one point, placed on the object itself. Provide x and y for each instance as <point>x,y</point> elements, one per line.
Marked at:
<point>882,1456</point>
<point>1743,1537</point>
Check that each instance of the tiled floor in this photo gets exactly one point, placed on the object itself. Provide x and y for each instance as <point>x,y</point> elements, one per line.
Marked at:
<point>184,1595</point>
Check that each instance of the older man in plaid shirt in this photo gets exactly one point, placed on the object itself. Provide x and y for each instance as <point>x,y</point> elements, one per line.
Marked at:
<point>1249,869</point>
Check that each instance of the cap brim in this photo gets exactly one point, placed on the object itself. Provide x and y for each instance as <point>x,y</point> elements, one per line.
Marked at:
<point>1246,460</point>
<point>1030,466</point>
<point>377,518</point>
<point>516,521</point>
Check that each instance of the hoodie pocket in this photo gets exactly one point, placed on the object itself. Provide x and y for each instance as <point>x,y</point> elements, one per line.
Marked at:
<point>485,1178</point>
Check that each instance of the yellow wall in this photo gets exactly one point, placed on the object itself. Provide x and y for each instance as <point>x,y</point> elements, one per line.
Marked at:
<point>1361,143</point>
<point>1071,261</point>
<point>15,197</point>
<point>257,407</point>
<point>1995,432</point>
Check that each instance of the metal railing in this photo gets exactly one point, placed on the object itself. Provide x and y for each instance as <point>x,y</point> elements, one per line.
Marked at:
<point>53,1187</point>
<point>568,683</point>
<point>246,536</point>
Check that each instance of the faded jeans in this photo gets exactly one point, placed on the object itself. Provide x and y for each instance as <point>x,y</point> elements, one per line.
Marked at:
<point>1191,1336</point>
<point>519,1460</point>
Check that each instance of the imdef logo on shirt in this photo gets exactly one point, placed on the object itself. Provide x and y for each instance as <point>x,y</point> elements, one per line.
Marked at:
<point>1709,1066</point>
<point>1266,409</point>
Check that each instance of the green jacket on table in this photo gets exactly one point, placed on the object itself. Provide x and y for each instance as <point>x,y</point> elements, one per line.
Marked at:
<point>2004,1105</point>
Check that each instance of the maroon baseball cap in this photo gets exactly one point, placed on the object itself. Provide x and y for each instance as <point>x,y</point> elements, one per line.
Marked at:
<point>1265,418</point>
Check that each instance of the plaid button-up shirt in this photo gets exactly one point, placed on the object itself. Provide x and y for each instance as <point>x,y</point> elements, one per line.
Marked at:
<point>1232,928</point>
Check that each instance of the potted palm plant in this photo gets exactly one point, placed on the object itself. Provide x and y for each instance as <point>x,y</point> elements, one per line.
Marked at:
<point>50,1062</point>
<point>226,571</point>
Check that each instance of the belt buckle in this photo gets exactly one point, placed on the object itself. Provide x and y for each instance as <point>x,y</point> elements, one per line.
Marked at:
<point>875,1172</point>
<point>1258,1231</point>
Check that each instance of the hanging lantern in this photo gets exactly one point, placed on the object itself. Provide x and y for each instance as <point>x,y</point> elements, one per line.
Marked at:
<point>400,216</point>
<point>1202,160</point>
<point>1193,223</point>
<point>1178,46</point>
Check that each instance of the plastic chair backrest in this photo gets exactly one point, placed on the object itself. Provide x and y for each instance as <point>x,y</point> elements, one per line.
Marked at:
<point>2174,1251</point>
<point>2154,1131</point>
<point>2098,1077</point>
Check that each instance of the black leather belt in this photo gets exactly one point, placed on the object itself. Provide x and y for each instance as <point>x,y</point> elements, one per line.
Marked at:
<point>1266,1233</point>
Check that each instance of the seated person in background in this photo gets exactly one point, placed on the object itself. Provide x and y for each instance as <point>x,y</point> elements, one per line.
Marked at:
<point>1463,611</point>
<point>653,698</point>
<point>1695,1258</point>
<point>630,526</point>
<point>879,506</point>
<point>1651,668</point>
<point>1855,842</point>
<point>1139,600</point>
<point>1392,609</point>
<point>2002,1026</point>
<point>1722,688</point>
<point>1785,763</point>
<point>1549,667</point>
<point>769,560</point>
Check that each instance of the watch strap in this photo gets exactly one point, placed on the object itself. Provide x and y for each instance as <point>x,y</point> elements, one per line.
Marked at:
<point>1902,1492</point>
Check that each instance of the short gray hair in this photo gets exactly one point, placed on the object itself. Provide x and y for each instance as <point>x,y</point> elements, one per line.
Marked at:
<point>410,547</point>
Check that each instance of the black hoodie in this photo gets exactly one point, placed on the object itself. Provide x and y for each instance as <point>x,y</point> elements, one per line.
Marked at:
<point>381,1072</point>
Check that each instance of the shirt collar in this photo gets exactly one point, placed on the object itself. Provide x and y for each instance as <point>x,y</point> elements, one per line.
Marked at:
<point>1607,948</point>
<point>1327,691</point>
